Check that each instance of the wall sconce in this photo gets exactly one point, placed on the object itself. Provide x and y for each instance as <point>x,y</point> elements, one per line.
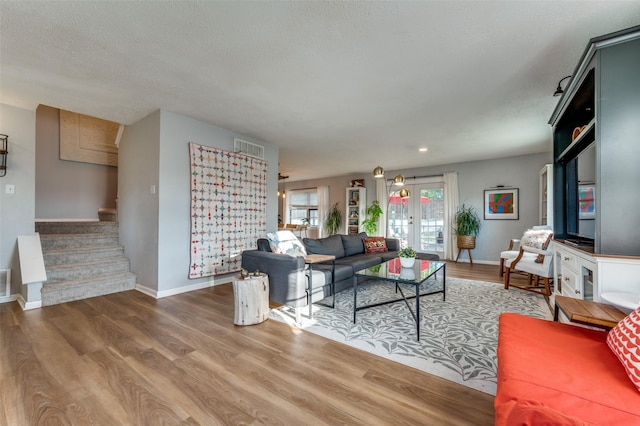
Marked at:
<point>559,91</point>
<point>4,150</point>
<point>403,193</point>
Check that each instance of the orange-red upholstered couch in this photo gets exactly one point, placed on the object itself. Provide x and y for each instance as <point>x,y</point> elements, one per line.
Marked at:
<point>551,373</point>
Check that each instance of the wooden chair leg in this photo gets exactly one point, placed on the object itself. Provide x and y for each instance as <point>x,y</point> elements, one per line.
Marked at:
<point>501,266</point>
<point>507,274</point>
<point>547,287</point>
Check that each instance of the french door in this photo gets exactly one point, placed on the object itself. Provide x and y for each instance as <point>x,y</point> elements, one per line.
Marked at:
<point>418,221</point>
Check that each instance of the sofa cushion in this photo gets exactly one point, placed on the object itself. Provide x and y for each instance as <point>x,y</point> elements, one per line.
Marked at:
<point>359,261</point>
<point>285,242</point>
<point>353,243</point>
<point>579,377</point>
<point>375,245</point>
<point>624,341</point>
<point>330,245</point>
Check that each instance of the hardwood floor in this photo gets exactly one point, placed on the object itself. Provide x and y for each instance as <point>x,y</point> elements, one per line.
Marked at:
<point>128,359</point>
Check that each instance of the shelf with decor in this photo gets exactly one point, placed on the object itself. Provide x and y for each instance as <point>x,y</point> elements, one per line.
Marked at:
<point>355,210</point>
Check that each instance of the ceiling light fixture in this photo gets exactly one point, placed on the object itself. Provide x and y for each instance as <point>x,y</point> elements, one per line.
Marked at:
<point>559,91</point>
<point>422,149</point>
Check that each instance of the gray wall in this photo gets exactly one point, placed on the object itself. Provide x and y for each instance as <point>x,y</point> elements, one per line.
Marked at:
<point>17,211</point>
<point>474,177</point>
<point>68,189</point>
<point>138,169</point>
<point>156,228</point>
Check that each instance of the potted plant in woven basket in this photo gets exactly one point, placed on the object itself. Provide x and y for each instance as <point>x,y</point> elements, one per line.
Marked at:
<point>467,226</point>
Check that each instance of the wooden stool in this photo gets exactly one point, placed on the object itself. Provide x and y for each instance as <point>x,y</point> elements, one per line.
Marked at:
<point>251,297</point>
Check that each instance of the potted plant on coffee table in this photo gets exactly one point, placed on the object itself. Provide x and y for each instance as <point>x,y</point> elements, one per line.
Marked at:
<point>466,228</point>
<point>407,257</point>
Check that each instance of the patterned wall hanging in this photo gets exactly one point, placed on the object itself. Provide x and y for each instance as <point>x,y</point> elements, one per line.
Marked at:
<point>228,208</point>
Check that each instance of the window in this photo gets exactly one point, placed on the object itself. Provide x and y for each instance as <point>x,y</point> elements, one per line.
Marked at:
<point>303,206</point>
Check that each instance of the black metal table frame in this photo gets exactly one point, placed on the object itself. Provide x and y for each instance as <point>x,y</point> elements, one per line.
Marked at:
<point>396,281</point>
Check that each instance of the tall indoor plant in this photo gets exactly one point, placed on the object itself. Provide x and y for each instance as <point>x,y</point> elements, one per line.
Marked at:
<point>333,222</point>
<point>467,226</point>
<point>370,224</point>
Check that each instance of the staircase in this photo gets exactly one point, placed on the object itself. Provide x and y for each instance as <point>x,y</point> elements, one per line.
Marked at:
<point>82,260</point>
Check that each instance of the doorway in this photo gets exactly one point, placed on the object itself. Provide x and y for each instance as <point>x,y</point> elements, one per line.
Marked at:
<point>418,221</point>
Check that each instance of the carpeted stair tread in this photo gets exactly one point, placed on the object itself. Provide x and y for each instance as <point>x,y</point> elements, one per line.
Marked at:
<point>61,291</point>
<point>81,254</point>
<point>87,269</point>
<point>80,227</point>
<point>59,241</point>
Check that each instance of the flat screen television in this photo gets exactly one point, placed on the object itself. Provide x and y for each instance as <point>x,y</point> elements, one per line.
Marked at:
<point>581,195</point>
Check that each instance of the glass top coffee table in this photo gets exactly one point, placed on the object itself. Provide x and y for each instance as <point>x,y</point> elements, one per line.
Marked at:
<point>392,272</point>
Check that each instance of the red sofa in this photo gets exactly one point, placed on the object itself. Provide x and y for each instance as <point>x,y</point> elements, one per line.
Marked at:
<point>551,373</point>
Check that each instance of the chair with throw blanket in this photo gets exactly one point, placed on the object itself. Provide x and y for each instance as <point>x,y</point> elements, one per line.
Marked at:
<point>536,261</point>
<point>532,237</point>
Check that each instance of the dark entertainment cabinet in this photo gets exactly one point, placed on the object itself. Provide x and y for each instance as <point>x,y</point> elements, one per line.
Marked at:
<point>603,96</point>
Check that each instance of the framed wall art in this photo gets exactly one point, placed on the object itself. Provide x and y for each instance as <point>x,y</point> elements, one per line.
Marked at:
<point>586,201</point>
<point>501,203</point>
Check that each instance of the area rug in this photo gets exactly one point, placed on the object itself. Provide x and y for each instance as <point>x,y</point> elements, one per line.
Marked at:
<point>458,337</point>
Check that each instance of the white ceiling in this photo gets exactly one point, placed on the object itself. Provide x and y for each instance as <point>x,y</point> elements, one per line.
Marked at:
<point>340,87</point>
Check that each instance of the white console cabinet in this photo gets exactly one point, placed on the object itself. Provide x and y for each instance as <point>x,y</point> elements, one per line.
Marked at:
<point>581,274</point>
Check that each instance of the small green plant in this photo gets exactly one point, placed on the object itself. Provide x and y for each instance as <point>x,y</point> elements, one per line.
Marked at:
<point>333,222</point>
<point>370,224</point>
<point>407,252</point>
<point>467,221</point>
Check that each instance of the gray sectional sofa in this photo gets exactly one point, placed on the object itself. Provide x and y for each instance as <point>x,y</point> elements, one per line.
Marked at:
<point>288,281</point>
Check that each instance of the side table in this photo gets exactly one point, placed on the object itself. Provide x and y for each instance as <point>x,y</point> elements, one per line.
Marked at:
<point>251,299</point>
<point>587,312</point>
<point>310,259</point>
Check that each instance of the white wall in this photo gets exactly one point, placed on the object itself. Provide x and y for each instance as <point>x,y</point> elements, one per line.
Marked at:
<point>17,211</point>
<point>474,177</point>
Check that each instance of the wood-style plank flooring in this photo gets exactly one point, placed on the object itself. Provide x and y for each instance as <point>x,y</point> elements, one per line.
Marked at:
<point>128,359</point>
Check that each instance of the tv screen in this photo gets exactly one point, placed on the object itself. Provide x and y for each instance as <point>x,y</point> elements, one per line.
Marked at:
<point>581,194</point>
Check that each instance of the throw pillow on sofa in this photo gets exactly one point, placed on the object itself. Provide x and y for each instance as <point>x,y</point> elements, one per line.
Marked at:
<point>375,245</point>
<point>624,342</point>
<point>285,242</point>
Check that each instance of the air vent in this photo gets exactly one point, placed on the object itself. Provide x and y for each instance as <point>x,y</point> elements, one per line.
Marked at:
<point>248,148</point>
<point>5,282</point>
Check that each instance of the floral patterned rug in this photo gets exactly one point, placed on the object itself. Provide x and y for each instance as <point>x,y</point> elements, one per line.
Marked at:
<point>458,337</point>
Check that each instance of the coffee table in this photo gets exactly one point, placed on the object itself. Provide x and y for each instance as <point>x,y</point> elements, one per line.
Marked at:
<point>392,272</point>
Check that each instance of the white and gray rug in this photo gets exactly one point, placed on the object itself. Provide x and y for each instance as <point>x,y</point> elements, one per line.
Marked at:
<point>458,337</point>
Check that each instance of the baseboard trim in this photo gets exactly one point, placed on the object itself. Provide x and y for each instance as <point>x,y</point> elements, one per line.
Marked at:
<point>28,305</point>
<point>7,299</point>
<point>481,262</point>
<point>174,291</point>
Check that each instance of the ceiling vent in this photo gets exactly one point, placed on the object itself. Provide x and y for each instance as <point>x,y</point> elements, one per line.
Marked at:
<point>248,148</point>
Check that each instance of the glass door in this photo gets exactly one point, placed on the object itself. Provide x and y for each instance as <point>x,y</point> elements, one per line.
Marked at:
<point>418,222</point>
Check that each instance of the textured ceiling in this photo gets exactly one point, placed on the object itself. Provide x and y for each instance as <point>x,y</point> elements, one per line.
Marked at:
<point>340,87</point>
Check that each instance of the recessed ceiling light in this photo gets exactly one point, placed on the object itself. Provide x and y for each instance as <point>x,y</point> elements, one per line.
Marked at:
<point>422,149</point>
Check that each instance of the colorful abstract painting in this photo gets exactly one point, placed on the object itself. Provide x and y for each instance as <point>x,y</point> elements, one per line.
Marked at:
<point>501,203</point>
<point>228,208</point>
<point>587,202</point>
